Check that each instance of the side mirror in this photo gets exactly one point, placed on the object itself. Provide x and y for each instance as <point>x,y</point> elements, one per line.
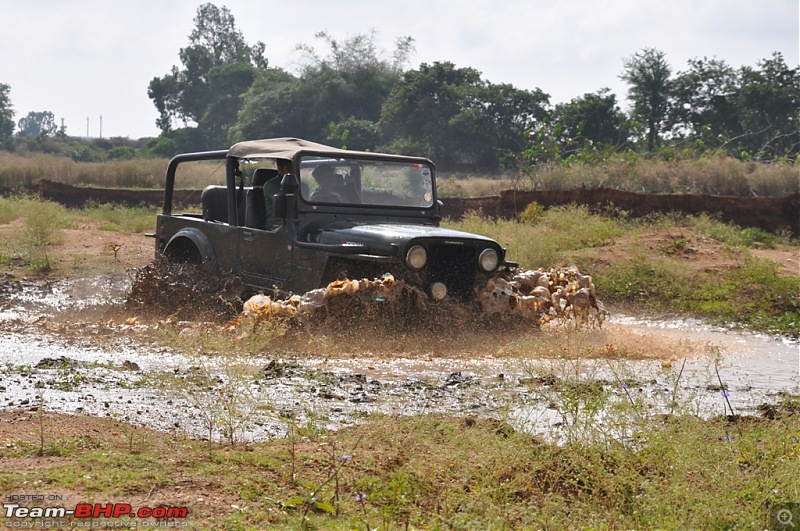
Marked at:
<point>289,187</point>
<point>290,184</point>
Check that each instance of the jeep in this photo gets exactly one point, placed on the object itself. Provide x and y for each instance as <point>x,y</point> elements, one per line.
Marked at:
<point>294,215</point>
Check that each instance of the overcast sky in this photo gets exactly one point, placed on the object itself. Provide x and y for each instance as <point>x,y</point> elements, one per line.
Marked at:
<point>84,59</point>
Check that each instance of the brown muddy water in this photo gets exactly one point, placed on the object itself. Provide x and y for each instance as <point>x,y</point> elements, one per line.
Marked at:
<point>66,346</point>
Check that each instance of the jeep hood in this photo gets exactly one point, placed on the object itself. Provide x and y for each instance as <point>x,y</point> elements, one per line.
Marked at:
<point>387,239</point>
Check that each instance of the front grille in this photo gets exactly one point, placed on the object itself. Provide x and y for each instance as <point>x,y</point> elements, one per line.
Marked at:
<point>455,266</point>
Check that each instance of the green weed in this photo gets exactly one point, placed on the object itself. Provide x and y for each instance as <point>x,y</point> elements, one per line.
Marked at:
<point>647,470</point>
<point>116,218</point>
<point>12,208</point>
<point>549,241</point>
<point>733,236</point>
<point>753,293</point>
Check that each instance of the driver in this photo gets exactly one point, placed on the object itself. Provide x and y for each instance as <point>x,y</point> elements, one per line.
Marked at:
<point>327,191</point>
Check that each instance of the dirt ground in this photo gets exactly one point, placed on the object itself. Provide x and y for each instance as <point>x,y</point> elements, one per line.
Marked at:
<point>88,251</point>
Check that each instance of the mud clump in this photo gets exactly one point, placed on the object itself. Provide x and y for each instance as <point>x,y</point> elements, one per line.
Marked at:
<point>361,311</point>
<point>386,305</point>
<point>185,292</point>
<point>543,295</point>
<point>57,363</point>
<point>381,307</point>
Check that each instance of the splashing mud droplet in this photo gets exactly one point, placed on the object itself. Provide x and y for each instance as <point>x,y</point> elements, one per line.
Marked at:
<point>185,291</point>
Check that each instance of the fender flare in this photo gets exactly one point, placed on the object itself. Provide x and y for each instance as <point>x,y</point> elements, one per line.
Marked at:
<point>208,257</point>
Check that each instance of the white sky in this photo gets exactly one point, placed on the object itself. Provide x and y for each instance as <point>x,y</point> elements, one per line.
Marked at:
<point>87,58</point>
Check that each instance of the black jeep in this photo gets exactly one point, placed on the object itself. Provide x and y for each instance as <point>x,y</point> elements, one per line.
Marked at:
<point>334,214</point>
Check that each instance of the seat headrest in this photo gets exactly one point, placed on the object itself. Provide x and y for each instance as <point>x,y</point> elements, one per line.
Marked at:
<point>262,175</point>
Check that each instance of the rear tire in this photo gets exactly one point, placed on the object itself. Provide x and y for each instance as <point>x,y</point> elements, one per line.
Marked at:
<point>183,251</point>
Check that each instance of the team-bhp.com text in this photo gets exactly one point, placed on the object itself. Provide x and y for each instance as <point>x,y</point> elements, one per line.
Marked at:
<point>86,513</point>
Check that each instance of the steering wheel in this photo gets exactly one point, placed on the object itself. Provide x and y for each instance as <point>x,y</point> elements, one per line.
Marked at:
<point>326,196</point>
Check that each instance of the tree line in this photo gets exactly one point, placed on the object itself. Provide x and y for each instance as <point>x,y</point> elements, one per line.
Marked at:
<point>358,96</point>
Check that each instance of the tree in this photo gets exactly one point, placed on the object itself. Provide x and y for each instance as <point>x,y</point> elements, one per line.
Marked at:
<point>455,117</point>
<point>352,133</point>
<point>768,101</point>
<point>197,91</point>
<point>593,118</point>
<point>424,111</point>
<point>704,105</point>
<point>340,92</point>
<point>648,76</point>
<point>512,113</point>
<point>750,112</point>
<point>274,106</point>
<point>363,74</point>
<point>584,126</point>
<point>37,124</point>
<point>6,112</point>
<point>226,85</point>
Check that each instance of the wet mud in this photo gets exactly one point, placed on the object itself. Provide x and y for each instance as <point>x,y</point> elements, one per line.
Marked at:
<point>95,346</point>
<point>183,291</point>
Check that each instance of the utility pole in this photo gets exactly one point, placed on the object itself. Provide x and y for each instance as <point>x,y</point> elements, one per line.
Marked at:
<point>87,127</point>
<point>101,126</point>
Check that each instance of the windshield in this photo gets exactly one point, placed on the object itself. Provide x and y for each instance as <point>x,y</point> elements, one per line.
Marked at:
<point>367,182</point>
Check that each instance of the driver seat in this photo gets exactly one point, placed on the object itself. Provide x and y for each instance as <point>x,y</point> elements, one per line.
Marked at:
<point>256,204</point>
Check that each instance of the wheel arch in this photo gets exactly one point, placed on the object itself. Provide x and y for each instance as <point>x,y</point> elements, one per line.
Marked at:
<point>192,246</point>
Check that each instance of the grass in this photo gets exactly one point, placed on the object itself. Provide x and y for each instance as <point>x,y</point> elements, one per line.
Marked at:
<point>34,227</point>
<point>707,175</point>
<point>439,472</point>
<point>116,218</point>
<point>41,222</point>
<point>470,185</point>
<point>702,175</point>
<point>17,171</point>
<point>620,457</point>
<point>220,382</point>
<point>549,241</point>
<point>752,293</point>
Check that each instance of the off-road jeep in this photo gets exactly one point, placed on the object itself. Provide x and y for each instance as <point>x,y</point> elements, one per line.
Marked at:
<point>337,214</point>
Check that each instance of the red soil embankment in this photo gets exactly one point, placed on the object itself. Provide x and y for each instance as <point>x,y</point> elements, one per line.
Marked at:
<point>767,213</point>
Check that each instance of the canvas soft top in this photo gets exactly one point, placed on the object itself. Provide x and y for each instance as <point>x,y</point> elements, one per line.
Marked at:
<point>287,148</point>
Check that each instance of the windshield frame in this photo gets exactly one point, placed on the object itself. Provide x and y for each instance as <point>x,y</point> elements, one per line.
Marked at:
<point>384,182</point>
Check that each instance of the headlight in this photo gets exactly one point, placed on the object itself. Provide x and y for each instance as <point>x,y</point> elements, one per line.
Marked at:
<point>438,290</point>
<point>488,260</point>
<point>417,257</point>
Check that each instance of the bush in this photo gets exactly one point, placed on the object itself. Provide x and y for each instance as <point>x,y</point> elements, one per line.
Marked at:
<point>714,174</point>
<point>532,213</point>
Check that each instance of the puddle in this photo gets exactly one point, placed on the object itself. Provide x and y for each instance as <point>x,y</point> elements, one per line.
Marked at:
<point>116,378</point>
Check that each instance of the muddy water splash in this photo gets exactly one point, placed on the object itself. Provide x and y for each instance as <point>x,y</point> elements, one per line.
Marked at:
<point>184,292</point>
